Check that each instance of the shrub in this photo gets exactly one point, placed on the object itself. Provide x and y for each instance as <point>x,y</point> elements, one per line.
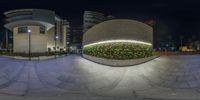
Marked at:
<point>49,49</point>
<point>35,54</point>
<point>120,51</point>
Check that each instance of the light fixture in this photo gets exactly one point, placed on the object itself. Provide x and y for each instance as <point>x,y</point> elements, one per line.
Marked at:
<point>116,41</point>
<point>56,37</point>
<point>29,31</point>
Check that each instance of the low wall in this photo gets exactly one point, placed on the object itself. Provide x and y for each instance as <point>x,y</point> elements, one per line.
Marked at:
<point>118,63</point>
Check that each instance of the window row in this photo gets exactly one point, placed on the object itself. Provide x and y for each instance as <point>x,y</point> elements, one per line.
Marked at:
<point>24,29</point>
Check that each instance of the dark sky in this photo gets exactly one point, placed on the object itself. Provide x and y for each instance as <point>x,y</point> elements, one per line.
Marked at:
<point>174,17</point>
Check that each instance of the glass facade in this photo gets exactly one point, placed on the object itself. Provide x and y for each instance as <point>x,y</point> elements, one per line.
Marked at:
<point>23,29</point>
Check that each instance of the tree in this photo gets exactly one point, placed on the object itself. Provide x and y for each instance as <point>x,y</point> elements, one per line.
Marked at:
<point>181,37</point>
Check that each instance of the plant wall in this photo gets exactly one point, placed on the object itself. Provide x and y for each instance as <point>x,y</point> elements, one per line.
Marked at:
<point>119,51</point>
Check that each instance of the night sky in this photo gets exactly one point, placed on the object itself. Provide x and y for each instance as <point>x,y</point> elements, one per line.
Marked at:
<point>174,18</point>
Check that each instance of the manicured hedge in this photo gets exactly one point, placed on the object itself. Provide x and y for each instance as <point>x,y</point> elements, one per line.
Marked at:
<point>120,51</point>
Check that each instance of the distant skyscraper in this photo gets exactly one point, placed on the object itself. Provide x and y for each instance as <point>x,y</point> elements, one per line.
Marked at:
<point>76,34</point>
<point>91,18</point>
<point>76,39</point>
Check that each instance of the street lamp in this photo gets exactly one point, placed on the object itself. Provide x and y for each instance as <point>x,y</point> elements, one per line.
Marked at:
<point>29,51</point>
<point>56,38</point>
<point>7,40</point>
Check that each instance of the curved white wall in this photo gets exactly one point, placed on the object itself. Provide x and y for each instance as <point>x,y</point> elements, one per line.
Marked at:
<point>119,29</point>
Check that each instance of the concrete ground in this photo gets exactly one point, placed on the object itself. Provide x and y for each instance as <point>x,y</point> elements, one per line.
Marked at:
<point>75,78</point>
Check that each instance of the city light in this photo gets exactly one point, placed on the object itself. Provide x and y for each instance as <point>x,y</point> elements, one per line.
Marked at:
<point>115,41</point>
<point>56,37</point>
<point>29,31</point>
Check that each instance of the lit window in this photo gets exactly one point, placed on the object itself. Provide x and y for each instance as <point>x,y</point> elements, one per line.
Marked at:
<point>23,29</point>
<point>42,30</point>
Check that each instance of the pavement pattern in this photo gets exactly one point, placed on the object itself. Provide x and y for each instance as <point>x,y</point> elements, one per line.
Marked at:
<point>75,78</point>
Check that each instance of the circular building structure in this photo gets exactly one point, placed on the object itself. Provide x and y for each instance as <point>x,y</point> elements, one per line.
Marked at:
<point>36,30</point>
<point>118,40</point>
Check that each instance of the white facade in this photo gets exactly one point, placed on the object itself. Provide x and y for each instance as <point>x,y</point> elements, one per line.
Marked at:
<point>119,29</point>
<point>47,30</point>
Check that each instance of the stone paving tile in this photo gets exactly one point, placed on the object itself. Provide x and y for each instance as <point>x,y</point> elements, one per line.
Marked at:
<point>67,79</point>
<point>190,78</point>
<point>24,75</point>
<point>73,74</point>
<point>43,92</point>
<point>2,74</point>
<point>3,81</point>
<point>14,73</point>
<point>181,79</point>
<point>34,81</point>
<point>194,84</point>
<point>35,84</point>
<point>51,81</point>
<point>168,78</point>
<point>15,89</point>
<point>181,85</point>
<point>197,76</point>
<point>155,79</point>
<point>49,78</point>
<point>178,73</point>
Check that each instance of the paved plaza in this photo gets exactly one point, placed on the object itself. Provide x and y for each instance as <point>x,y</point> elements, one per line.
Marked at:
<point>75,78</point>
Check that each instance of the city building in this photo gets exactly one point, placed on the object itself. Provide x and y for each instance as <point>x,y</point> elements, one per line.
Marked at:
<point>37,30</point>
<point>191,47</point>
<point>91,18</point>
<point>76,40</point>
<point>66,30</point>
<point>186,49</point>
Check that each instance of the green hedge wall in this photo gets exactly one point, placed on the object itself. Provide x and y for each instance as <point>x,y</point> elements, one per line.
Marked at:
<point>119,51</point>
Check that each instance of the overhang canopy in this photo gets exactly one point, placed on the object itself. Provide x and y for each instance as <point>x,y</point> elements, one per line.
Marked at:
<point>12,25</point>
